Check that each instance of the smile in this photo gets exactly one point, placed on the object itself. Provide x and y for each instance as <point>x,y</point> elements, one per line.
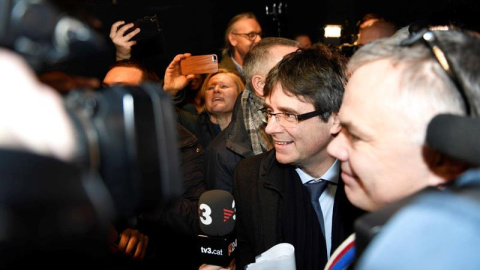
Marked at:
<point>283,143</point>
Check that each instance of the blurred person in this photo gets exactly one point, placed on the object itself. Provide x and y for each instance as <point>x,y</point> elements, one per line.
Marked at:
<point>64,82</point>
<point>384,160</point>
<point>375,30</point>
<point>128,72</point>
<point>38,147</point>
<point>190,98</point>
<point>55,137</point>
<point>242,33</point>
<point>304,40</point>
<point>245,135</point>
<point>368,19</point>
<point>178,224</point>
<point>303,93</point>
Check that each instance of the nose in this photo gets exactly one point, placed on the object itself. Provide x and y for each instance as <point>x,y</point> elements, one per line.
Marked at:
<point>338,147</point>
<point>273,126</point>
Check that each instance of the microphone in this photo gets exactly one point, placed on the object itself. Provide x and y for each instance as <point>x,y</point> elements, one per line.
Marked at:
<point>216,210</point>
<point>455,136</point>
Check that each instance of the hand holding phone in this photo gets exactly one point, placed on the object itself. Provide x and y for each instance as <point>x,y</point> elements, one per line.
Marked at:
<point>149,27</point>
<point>199,64</point>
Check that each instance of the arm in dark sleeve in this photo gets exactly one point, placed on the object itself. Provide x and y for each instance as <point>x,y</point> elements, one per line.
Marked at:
<point>182,216</point>
<point>242,193</point>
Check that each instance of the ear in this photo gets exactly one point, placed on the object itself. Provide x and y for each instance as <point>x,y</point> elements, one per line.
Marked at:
<point>336,127</point>
<point>443,165</point>
<point>258,83</point>
<point>232,39</point>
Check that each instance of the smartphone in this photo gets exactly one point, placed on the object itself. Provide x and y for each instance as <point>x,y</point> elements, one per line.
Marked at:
<point>148,25</point>
<point>199,64</point>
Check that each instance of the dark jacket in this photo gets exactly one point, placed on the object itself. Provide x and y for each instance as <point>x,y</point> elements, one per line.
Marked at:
<point>259,192</point>
<point>229,147</point>
<point>176,228</point>
<point>182,216</point>
<point>198,124</point>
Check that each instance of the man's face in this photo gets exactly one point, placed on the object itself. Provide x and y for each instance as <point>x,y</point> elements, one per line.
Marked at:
<point>123,75</point>
<point>240,41</point>
<point>380,156</point>
<point>303,144</point>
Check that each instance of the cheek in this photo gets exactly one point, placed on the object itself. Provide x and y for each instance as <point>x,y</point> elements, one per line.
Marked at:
<point>208,97</point>
<point>231,97</point>
<point>360,198</point>
<point>367,171</point>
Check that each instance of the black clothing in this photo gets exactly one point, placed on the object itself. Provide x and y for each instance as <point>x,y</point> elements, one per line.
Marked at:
<point>198,124</point>
<point>175,230</point>
<point>48,215</point>
<point>273,206</point>
<point>226,150</point>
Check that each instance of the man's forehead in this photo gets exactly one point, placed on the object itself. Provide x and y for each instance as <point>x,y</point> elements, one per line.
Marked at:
<point>246,23</point>
<point>371,93</point>
<point>281,98</point>
<point>378,79</point>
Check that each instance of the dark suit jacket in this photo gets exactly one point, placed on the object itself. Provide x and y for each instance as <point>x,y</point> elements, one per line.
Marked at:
<point>259,188</point>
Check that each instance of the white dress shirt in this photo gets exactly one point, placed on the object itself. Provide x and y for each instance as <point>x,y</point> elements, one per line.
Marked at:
<point>327,198</point>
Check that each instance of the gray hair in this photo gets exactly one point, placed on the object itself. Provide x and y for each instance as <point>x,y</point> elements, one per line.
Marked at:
<point>256,60</point>
<point>425,89</point>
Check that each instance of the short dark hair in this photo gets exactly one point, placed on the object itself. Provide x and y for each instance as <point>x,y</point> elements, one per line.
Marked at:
<point>148,74</point>
<point>316,74</point>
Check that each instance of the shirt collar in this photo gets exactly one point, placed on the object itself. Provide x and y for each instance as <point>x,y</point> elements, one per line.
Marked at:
<point>237,65</point>
<point>331,175</point>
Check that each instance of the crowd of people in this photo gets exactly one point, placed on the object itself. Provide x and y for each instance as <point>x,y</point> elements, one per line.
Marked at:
<point>325,151</point>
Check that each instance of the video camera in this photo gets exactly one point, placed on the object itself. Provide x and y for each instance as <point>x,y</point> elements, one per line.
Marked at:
<point>129,153</point>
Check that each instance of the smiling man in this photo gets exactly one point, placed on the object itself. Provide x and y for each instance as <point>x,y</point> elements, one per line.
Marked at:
<point>303,93</point>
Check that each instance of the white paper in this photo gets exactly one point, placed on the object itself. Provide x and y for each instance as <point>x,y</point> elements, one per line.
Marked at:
<point>278,257</point>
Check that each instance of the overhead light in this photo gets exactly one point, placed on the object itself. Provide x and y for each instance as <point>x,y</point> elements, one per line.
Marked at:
<point>333,31</point>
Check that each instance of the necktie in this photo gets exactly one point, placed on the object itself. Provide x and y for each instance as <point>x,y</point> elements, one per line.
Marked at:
<point>315,188</point>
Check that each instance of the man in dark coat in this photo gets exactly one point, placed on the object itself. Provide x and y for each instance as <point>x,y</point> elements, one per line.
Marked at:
<point>303,93</point>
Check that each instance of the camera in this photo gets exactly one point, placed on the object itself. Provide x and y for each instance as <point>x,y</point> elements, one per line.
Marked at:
<point>127,134</point>
<point>55,212</point>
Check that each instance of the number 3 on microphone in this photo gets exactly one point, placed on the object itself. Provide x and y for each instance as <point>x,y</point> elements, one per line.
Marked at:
<point>205,213</point>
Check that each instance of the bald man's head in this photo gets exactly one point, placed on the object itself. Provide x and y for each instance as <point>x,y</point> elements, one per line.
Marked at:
<point>377,30</point>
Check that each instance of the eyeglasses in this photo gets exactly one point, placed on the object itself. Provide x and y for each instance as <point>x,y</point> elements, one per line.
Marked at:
<point>288,119</point>
<point>430,40</point>
<point>249,36</point>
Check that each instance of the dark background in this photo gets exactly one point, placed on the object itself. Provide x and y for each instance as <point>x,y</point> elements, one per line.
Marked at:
<point>198,26</point>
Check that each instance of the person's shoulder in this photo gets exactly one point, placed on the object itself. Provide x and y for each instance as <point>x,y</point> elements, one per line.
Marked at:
<point>218,142</point>
<point>441,222</point>
<point>253,161</point>
<point>185,137</point>
<point>227,63</point>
